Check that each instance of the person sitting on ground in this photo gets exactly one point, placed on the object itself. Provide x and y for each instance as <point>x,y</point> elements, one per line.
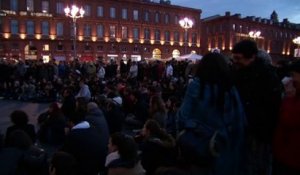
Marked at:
<point>20,122</point>
<point>123,156</point>
<point>63,164</point>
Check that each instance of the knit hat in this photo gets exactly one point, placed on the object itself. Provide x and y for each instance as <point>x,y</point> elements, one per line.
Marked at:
<point>117,100</point>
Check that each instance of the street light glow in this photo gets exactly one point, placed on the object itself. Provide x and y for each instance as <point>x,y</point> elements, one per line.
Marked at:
<point>186,24</point>
<point>74,13</point>
<point>254,34</point>
<point>297,41</point>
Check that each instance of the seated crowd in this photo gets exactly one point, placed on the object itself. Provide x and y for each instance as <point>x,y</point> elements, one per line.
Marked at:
<point>153,121</point>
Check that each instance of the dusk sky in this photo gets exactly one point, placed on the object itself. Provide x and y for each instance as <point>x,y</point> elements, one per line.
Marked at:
<point>260,8</point>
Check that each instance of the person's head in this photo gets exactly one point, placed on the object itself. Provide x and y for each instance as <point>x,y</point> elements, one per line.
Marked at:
<point>157,104</point>
<point>81,103</point>
<point>152,128</point>
<point>125,145</point>
<point>295,74</point>
<point>214,69</point>
<point>54,107</point>
<point>244,53</point>
<point>77,117</point>
<point>19,139</point>
<point>62,163</point>
<point>19,117</point>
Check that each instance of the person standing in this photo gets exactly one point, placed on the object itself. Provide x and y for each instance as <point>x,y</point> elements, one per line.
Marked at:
<point>260,89</point>
<point>286,145</point>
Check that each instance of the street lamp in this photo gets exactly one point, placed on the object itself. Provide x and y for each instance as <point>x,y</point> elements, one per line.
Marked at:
<point>186,24</point>
<point>74,13</point>
<point>254,34</point>
<point>297,42</point>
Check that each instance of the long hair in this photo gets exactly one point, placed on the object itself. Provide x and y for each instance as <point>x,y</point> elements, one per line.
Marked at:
<point>157,105</point>
<point>213,70</point>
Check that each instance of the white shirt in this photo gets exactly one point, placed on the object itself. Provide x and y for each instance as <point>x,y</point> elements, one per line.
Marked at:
<point>84,92</point>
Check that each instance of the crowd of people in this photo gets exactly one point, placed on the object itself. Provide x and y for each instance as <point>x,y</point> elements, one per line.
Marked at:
<point>219,116</point>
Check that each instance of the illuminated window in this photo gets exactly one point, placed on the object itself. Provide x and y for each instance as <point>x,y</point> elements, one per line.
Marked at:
<point>14,5</point>
<point>156,17</point>
<point>14,25</point>
<point>46,47</point>
<point>167,18</point>
<point>124,32</point>
<point>87,10</point>
<point>135,33</point>
<point>45,6</point>
<point>29,4</point>
<point>59,8</point>
<point>87,30</point>
<point>135,15</point>
<point>146,17</point>
<point>100,31</point>
<point>30,28</point>
<point>100,11</point>
<point>124,14</point>
<point>59,29</point>
<point>45,28</point>
<point>147,34</point>
<point>112,31</point>
<point>112,12</point>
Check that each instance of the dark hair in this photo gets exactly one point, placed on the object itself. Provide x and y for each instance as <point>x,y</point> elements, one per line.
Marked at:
<point>64,163</point>
<point>214,70</point>
<point>78,116</point>
<point>157,105</point>
<point>247,48</point>
<point>155,130</point>
<point>19,139</point>
<point>126,145</point>
<point>19,117</point>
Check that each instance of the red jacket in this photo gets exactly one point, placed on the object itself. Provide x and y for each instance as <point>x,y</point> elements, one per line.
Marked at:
<point>286,144</point>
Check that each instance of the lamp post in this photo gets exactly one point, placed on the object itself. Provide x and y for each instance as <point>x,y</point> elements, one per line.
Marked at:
<point>74,13</point>
<point>186,24</point>
<point>297,42</point>
<point>254,34</point>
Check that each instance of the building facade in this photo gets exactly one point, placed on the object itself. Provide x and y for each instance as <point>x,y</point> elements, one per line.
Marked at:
<point>110,29</point>
<point>222,32</point>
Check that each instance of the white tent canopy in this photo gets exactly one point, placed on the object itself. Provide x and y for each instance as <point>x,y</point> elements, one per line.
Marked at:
<point>191,57</point>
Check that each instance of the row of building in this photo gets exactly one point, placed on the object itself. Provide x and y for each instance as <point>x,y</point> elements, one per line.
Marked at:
<point>116,29</point>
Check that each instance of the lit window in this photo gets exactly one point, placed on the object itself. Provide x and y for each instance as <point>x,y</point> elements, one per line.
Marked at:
<point>29,4</point>
<point>135,15</point>
<point>124,32</point>
<point>45,28</point>
<point>87,30</point>
<point>124,14</point>
<point>112,31</point>
<point>59,8</point>
<point>59,29</point>
<point>45,6</point>
<point>113,12</point>
<point>100,31</point>
<point>30,27</point>
<point>135,33</point>
<point>87,10</point>
<point>14,27</point>
<point>100,11</point>
<point>14,5</point>
<point>147,34</point>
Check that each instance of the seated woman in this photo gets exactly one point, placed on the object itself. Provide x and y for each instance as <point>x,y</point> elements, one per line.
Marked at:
<point>123,156</point>
<point>158,147</point>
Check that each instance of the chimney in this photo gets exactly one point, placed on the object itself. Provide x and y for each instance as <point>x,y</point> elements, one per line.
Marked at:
<point>227,13</point>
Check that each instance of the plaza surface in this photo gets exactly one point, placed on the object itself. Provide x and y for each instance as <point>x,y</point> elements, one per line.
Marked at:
<point>8,106</point>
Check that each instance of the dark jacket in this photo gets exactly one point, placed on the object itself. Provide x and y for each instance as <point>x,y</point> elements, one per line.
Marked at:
<point>96,118</point>
<point>28,129</point>
<point>157,153</point>
<point>87,146</point>
<point>260,90</point>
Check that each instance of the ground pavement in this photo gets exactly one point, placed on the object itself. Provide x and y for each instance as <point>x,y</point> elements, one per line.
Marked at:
<point>8,106</point>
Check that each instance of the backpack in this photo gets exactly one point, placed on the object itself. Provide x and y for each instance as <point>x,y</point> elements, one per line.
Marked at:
<point>200,143</point>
